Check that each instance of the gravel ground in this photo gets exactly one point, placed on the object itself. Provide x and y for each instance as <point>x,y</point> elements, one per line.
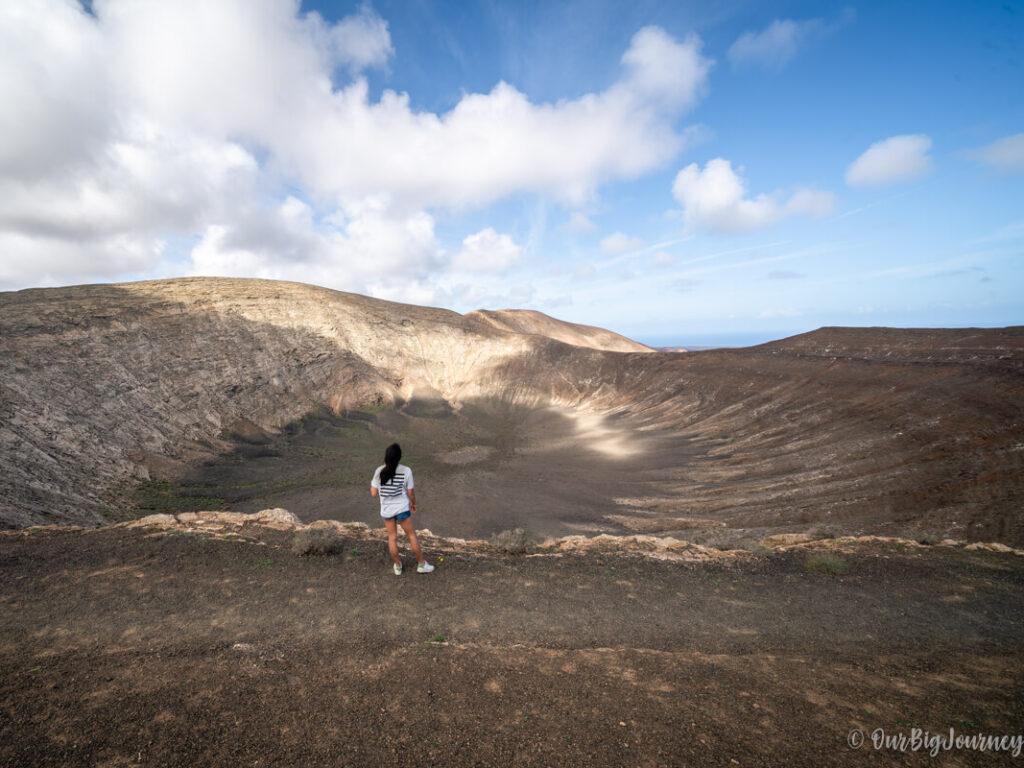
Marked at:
<point>122,647</point>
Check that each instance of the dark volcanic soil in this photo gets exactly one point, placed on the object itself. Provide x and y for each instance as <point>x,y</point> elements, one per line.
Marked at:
<point>479,471</point>
<point>491,466</point>
<point>120,647</point>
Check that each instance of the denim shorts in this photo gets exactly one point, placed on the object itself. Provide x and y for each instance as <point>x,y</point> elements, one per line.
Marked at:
<point>400,516</point>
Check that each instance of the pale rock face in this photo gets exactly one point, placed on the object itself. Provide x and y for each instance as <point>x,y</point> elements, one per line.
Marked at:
<point>277,516</point>
<point>533,322</point>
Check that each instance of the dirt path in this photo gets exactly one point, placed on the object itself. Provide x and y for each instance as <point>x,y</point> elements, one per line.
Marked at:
<point>120,647</point>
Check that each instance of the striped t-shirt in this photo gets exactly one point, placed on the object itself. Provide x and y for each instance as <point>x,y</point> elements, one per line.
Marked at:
<point>393,497</point>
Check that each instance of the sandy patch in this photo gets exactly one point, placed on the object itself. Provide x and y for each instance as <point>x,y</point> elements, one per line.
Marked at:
<point>471,454</point>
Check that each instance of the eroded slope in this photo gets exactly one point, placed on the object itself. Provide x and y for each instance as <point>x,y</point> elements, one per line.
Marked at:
<point>869,430</point>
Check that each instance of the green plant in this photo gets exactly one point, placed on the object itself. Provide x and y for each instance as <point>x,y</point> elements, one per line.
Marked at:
<point>317,541</point>
<point>356,551</point>
<point>255,565</point>
<point>437,638</point>
<point>825,562</point>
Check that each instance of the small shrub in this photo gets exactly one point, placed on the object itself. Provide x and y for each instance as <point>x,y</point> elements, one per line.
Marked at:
<point>512,542</point>
<point>921,536</point>
<point>825,562</point>
<point>823,531</point>
<point>317,541</point>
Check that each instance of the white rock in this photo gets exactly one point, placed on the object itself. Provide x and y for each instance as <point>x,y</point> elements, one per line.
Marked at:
<point>164,521</point>
<point>277,516</point>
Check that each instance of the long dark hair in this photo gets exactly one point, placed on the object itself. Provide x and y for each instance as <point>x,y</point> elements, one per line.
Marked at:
<point>392,456</point>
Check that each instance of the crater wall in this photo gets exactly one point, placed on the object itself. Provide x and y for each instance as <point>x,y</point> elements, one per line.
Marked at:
<point>101,386</point>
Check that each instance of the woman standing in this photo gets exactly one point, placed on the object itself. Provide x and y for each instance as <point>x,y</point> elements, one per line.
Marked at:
<point>392,482</point>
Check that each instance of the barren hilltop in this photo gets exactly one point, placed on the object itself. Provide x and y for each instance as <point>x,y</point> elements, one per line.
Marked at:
<point>867,430</point>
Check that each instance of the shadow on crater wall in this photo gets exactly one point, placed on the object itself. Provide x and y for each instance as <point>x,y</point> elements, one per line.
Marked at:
<point>228,392</point>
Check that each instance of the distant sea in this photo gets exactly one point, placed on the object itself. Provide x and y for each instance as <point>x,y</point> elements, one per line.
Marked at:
<point>712,340</point>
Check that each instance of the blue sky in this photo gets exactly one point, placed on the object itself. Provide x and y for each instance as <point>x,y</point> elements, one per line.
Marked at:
<point>680,172</point>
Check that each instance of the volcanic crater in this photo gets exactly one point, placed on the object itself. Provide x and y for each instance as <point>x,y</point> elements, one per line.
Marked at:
<point>208,393</point>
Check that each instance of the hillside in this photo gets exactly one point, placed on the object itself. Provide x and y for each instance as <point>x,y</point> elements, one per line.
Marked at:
<point>211,383</point>
<point>531,321</point>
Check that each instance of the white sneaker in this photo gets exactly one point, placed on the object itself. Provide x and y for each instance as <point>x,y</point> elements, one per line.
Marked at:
<point>398,569</point>
<point>424,567</point>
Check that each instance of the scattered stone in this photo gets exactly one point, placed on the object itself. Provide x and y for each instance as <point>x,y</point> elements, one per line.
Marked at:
<point>282,516</point>
<point>990,546</point>
<point>160,521</point>
<point>784,539</point>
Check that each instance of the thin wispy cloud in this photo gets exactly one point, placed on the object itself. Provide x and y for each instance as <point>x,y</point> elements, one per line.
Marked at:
<point>1005,155</point>
<point>773,47</point>
<point>892,160</point>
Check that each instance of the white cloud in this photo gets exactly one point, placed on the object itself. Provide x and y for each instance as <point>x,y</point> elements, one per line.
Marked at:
<point>361,41</point>
<point>663,259</point>
<point>148,121</point>
<point>716,199</point>
<point>812,202</point>
<point>54,88</point>
<point>898,158</point>
<point>773,46</point>
<point>620,243</point>
<point>499,143</point>
<point>51,261</point>
<point>579,223</point>
<point>366,249</point>
<point>1006,154</point>
<point>487,251</point>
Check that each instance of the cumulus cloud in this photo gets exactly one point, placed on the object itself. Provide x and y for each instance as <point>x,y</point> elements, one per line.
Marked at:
<point>499,143</point>
<point>368,250</point>
<point>1005,155</point>
<point>148,122</point>
<point>620,243</point>
<point>487,251</point>
<point>360,41</point>
<point>54,86</point>
<point>51,261</point>
<point>715,199</point>
<point>898,158</point>
<point>773,46</point>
